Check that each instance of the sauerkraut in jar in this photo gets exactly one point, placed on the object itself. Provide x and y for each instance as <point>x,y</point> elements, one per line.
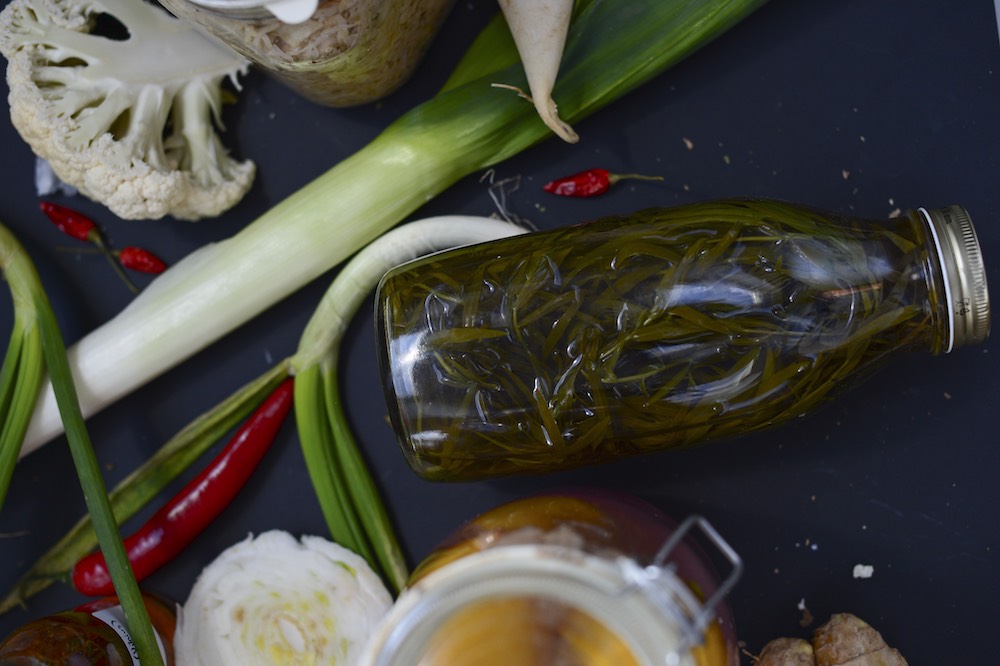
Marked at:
<point>334,52</point>
<point>578,578</point>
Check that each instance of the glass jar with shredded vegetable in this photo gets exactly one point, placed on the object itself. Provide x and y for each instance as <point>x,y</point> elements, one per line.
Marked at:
<point>660,330</point>
<point>334,52</point>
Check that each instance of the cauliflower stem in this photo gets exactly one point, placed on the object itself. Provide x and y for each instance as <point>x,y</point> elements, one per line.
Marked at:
<point>131,122</point>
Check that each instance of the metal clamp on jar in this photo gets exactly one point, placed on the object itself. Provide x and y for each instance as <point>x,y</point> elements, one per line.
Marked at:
<point>566,579</point>
<point>333,52</point>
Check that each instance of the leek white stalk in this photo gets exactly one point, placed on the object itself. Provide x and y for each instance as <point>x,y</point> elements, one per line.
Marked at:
<point>222,285</point>
<point>613,46</point>
<point>539,29</point>
<point>275,599</point>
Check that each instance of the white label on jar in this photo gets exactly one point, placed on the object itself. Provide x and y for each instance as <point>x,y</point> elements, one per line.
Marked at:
<point>114,617</point>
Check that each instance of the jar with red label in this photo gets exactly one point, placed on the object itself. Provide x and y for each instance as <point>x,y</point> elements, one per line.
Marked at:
<point>581,577</point>
<point>90,635</point>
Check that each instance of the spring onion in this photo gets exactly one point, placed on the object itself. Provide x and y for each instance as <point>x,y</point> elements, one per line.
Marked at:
<point>23,365</point>
<point>347,494</point>
<point>612,47</point>
<point>27,289</point>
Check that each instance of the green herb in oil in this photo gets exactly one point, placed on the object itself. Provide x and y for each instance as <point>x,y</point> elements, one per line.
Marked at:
<point>657,330</point>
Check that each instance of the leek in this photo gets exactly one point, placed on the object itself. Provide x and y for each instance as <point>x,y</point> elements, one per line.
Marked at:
<point>612,47</point>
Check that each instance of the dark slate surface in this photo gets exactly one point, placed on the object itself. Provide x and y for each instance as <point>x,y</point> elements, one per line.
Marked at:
<point>857,106</point>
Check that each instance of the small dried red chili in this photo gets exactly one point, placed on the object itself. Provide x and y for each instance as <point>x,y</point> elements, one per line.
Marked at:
<point>77,225</point>
<point>139,259</point>
<point>188,513</point>
<point>70,222</point>
<point>591,182</point>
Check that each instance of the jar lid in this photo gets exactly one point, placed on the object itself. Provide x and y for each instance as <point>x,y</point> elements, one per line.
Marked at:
<point>963,274</point>
<point>644,615</point>
<point>593,586</point>
<point>287,11</point>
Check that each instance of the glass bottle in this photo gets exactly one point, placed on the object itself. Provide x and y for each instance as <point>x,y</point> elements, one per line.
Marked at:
<point>661,329</point>
<point>580,577</point>
<point>93,634</point>
<point>334,52</point>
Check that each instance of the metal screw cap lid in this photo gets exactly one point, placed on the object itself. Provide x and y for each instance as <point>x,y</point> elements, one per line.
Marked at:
<point>961,258</point>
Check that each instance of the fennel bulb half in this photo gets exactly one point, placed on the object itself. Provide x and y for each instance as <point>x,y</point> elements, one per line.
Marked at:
<point>274,599</point>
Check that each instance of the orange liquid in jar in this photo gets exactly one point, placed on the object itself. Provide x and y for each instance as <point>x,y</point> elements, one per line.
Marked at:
<point>535,630</point>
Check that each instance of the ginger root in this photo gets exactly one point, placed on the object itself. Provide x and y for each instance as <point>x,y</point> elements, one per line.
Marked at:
<point>787,652</point>
<point>845,640</point>
<point>848,640</point>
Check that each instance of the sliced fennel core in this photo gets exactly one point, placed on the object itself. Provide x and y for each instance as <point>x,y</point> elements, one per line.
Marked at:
<point>275,599</point>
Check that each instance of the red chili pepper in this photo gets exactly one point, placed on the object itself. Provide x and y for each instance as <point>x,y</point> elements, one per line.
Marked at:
<point>138,259</point>
<point>188,513</point>
<point>79,226</point>
<point>591,182</point>
<point>71,222</point>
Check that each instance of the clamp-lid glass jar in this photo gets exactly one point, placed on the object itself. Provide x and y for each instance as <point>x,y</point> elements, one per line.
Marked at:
<point>582,577</point>
<point>334,52</point>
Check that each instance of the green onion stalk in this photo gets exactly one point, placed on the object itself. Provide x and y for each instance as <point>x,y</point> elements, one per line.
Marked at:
<point>613,46</point>
<point>347,493</point>
<point>36,328</point>
<point>23,365</point>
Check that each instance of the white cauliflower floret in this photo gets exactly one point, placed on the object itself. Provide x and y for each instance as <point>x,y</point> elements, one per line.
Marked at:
<point>129,122</point>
